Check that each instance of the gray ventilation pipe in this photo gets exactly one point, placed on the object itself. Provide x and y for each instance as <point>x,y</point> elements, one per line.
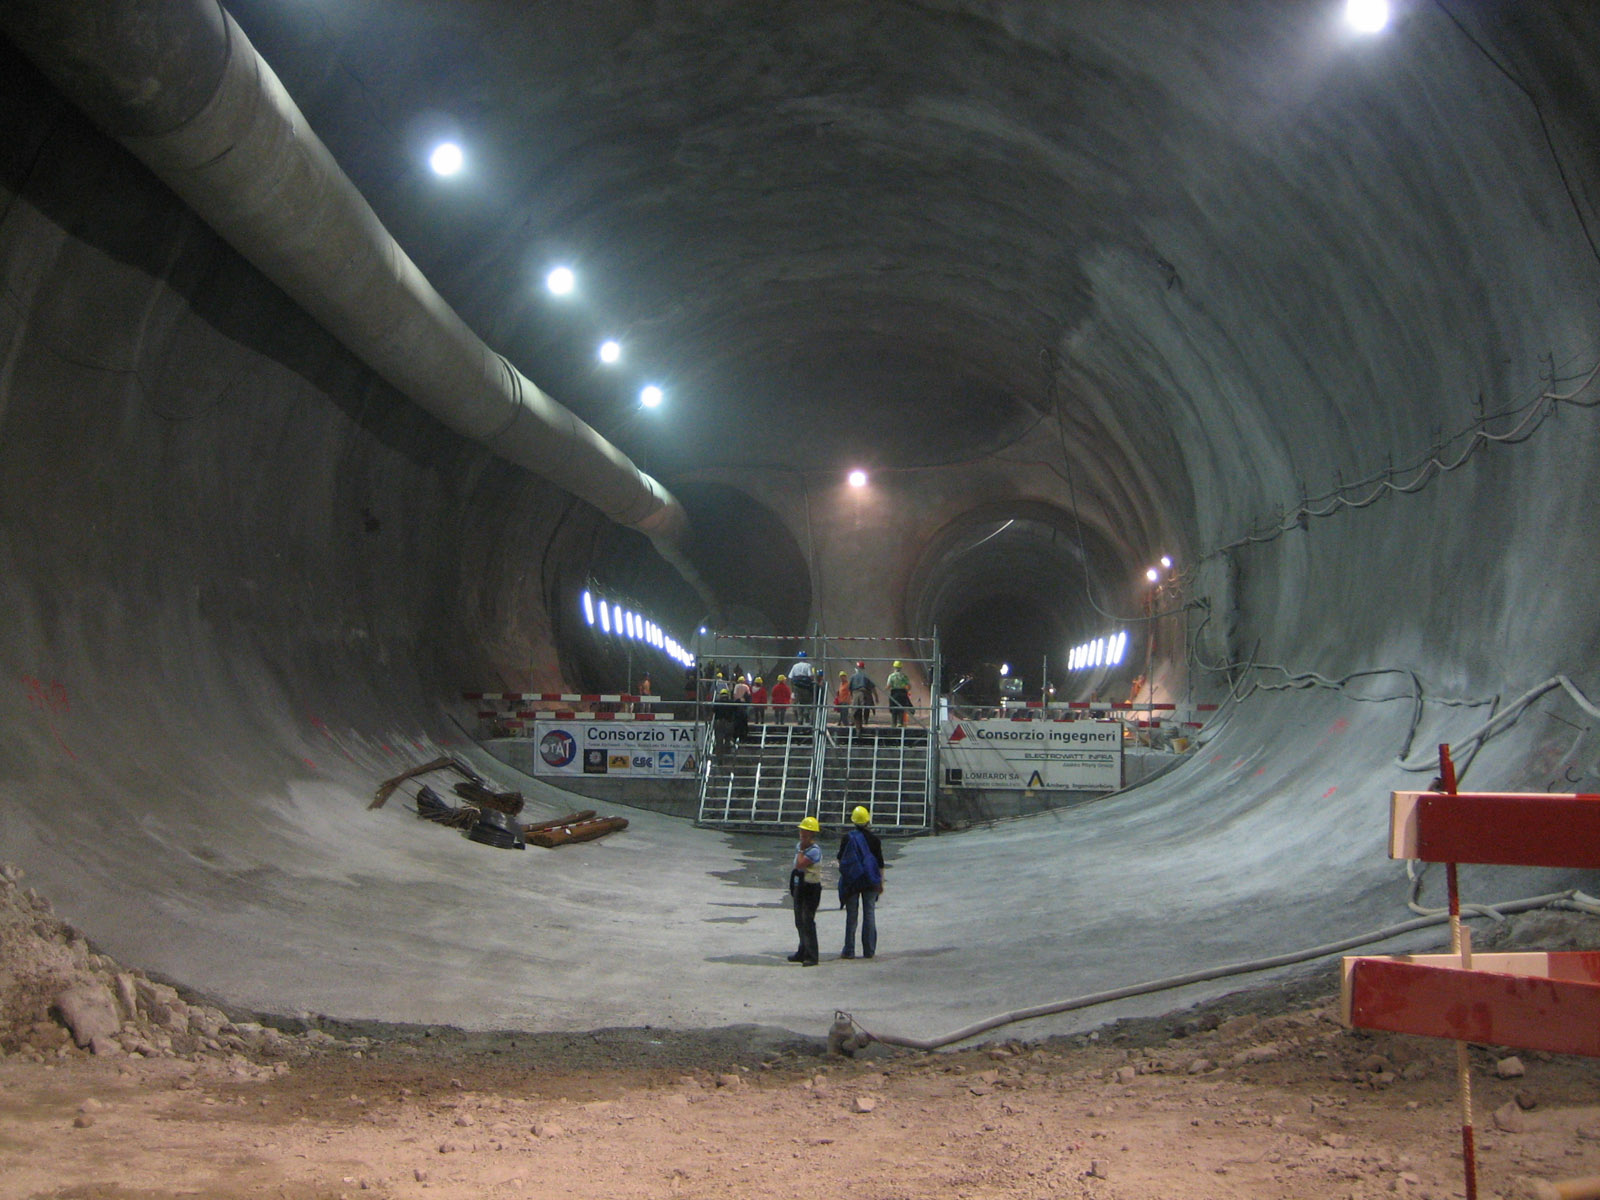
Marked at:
<point>179,84</point>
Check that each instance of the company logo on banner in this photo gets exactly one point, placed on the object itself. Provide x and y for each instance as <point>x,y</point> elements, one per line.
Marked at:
<point>1079,756</point>
<point>614,749</point>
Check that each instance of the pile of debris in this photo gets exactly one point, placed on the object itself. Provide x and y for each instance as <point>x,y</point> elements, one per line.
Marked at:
<point>489,816</point>
<point>59,998</point>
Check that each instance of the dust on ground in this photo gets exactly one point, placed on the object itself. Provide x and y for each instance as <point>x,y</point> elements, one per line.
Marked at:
<point>117,1087</point>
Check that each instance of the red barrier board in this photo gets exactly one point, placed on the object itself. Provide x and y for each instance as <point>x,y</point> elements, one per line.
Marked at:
<point>1530,1001</point>
<point>1530,829</point>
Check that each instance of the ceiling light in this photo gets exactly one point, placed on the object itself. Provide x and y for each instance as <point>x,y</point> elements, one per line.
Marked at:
<point>1366,16</point>
<point>1152,574</point>
<point>1166,562</point>
<point>610,352</point>
<point>560,281</point>
<point>857,479</point>
<point>651,397</point>
<point>446,158</point>
<point>1005,668</point>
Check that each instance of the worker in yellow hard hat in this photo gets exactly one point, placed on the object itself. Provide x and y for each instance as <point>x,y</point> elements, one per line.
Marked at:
<point>805,885</point>
<point>841,700</point>
<point>860,882</point>
<point>899,684</point>
<point>782,696</point>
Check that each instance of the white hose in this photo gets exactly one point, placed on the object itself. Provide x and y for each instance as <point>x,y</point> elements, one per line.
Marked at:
<point>1569,899</point>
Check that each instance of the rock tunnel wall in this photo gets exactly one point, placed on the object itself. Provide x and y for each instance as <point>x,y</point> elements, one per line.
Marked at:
<point>231,557</point>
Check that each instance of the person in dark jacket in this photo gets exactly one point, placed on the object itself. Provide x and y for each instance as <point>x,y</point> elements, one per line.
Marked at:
<point>860,883</point>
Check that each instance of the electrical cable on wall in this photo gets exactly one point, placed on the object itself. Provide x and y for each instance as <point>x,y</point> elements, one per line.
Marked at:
<point>1535,413</point>
<point>1538,112</point>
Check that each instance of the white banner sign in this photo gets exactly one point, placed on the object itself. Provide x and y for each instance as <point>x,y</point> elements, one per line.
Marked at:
<point>1045,755</point>
<point>621,749</point>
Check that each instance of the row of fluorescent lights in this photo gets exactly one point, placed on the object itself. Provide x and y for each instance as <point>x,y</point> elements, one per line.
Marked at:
<point>624,622</point>
<point>448,159</point>
<point>1102,652</point>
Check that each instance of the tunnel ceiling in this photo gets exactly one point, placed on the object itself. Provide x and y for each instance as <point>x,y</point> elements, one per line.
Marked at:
<point>823,243</point>
<point>895,233</point>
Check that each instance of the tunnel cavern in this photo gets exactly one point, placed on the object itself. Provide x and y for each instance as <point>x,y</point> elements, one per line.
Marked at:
<point>309,453</point>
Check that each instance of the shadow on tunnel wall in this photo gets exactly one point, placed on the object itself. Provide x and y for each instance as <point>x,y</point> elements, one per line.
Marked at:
<point>235,563</point>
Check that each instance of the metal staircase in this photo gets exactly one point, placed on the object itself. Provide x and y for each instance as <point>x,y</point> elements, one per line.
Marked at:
<point>782,773</point>
<point>762,782</point>
<point>885,768</point>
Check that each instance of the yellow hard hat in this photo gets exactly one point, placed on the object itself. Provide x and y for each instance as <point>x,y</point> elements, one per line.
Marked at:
<point>860,816</point>
<point>758,679</point>
<point>781,678</point>
<point>842,675</point>
<point>810,825</point>
<point>897,662</point>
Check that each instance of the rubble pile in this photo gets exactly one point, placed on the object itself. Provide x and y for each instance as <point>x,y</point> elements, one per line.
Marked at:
<point>59,998</point>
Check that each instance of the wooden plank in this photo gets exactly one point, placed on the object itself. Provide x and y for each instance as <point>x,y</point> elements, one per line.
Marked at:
<point>1528,829</point>
<point>1533,1001</point>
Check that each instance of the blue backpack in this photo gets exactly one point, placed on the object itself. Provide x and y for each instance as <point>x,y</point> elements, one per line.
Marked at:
<point>858,869</point>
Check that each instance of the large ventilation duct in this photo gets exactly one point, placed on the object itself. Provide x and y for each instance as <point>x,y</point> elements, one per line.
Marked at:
<point>179,84</point>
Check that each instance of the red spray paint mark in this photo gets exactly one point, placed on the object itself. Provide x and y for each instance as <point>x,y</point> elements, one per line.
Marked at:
<point>1339,726</point>
<point>1330,792</point>
<point>309,763</point>
<point>1261,770</point>
<point>50,699</point>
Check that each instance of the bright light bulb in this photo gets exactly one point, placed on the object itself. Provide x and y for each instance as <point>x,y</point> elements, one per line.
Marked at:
<point>560,281</point>
<point>588,608</point>
<point>1166,562</point>
<point>1367,16</point>
<point>605,617</point>
<point>1152,574</point>
<point>651,397</point>
<point>1005,669</point>
<point>446,158</point>
<point>857,479</point>
<point>610,352</point>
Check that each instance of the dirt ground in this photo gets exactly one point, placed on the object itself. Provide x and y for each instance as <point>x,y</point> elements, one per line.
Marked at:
<point>1259,1096</point>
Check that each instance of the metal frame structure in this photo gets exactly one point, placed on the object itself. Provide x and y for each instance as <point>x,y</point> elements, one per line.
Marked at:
<point>837,768</point>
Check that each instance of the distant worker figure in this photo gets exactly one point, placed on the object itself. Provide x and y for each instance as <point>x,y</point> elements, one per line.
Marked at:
<point>782,696</point>
<point>899,684</point>
<point>841,700</point>
<point>863,696</point>
<point>721,718</point>
<point>803,679</point>
<point>805,885</point>
<point>644,690</point>
<point>758,702</point>
<point>741,707</point>
<point>860,883</point>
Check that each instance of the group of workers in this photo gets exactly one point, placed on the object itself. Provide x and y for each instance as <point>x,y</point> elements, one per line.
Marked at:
<point>750,701</point>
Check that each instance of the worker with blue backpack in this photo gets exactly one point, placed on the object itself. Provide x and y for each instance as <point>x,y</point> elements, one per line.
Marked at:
<point>860,883</point>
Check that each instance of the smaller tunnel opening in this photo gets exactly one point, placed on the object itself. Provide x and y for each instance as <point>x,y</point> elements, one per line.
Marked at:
<point>1009,589</point>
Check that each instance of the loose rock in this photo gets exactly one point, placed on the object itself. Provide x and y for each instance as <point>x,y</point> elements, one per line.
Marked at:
<point>89,1012</point>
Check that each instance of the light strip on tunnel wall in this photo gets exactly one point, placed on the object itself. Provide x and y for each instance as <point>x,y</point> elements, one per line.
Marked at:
<point>634,625</point>
<point>1100,652</point>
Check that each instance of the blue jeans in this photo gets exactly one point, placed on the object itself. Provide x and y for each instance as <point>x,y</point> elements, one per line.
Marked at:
<point>868,902</point>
